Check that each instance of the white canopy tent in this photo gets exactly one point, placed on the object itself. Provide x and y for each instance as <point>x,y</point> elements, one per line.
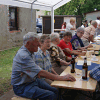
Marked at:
<point>48,5</point>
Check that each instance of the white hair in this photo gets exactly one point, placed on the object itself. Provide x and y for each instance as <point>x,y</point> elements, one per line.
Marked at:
<point>53,36</point>
<point>93,22</point>
<point>29,37</point>
<point>80,29</point>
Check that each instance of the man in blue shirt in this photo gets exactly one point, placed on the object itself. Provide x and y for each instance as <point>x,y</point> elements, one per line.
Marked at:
<point>26,74</point>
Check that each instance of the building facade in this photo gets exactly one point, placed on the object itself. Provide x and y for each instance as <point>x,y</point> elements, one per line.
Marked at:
<point>92,15</point>
<point>14,23</point>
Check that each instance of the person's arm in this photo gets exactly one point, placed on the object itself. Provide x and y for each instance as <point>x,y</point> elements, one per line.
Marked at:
<point>73,52</point>
<point>85,48</point>
<point>68,58</point>
<point>91,38</point>
<point>89,46</point>
<point>53,71</point>
<point>51,76</point>
<point>63,62</point>
<point>74,27</point>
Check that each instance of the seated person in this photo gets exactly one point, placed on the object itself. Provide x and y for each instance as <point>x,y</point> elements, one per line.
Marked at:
<point>42,56</point>
<point>95,74</point>
<point>66,45</point>
<point>26,73</point>
<point>89,33</point>
<point>58,58</point>
<point>76,40</point>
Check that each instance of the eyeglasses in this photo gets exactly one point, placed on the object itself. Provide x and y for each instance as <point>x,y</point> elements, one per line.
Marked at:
<point>82,32</point>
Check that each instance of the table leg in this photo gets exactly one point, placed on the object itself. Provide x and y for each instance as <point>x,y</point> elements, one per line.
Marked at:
<point>59,94</point>
<point>94,95</point>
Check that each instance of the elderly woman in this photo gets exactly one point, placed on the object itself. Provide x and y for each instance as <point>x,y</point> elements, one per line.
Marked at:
<point>89,33</point>
<point>76,40</point>
<point>58,58</point>
<point>71,27</point>
<point>42,56</point>
<point>66,45</point>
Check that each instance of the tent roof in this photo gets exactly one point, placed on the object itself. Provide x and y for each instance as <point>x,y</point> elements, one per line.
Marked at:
<point>37,4</point>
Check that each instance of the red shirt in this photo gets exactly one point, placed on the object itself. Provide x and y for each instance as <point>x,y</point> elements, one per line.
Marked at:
<point>63,45</point>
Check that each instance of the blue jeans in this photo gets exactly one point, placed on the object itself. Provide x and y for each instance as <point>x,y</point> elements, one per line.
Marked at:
<point>38,89</point>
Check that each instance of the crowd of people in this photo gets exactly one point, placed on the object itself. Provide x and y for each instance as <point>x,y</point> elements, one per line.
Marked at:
<point>42,59</point>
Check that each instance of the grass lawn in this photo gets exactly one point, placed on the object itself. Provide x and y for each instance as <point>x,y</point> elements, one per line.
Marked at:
<point>6,59</point>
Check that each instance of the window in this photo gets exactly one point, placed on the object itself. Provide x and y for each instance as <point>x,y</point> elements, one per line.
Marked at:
<point>13,18</point>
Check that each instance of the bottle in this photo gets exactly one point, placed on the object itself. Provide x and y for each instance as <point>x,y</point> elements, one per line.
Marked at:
<point>73,64</point>
<point>85,69</point>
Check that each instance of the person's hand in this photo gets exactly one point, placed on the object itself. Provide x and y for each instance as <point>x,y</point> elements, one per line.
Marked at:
<point>84,49</point>
<point>68,63</point>
<point>83,53</point>
<point>69,77</point>
<point>68,58</point>
<point>79,51</point>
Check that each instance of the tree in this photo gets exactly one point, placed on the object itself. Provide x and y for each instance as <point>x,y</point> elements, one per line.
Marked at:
<point>90,5</point>
<point>71,8</point>
<point>78,7</point>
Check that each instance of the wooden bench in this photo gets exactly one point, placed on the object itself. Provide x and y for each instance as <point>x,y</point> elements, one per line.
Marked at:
<point>15,97</point>
<point>19,98</point>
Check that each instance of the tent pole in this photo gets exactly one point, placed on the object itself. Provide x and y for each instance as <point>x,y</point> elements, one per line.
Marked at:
<point>52,20</point>
<point>32,14</point>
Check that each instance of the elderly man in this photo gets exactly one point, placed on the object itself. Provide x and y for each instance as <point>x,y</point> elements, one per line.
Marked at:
<point>89,33</point>
<point>76,40</point>
<point>66,45</point>
<point>26,74</point>
<point>58,58</point>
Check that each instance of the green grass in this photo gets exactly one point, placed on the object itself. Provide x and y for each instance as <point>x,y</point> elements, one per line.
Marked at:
<point>6,59</point>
